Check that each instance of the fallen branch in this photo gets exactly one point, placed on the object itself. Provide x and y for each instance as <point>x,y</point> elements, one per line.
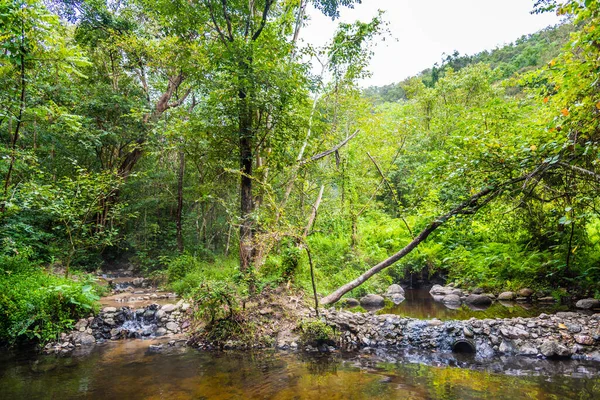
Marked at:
<point>470,206</point>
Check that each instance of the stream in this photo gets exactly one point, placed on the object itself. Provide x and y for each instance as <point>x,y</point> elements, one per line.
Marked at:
<point>133,370</point>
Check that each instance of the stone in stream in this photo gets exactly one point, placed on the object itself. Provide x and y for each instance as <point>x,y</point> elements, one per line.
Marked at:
<point>372,301</point>
<point>107,310</point>
<point>451,299</point>
<point>547,299</point>
<point>525,292</point>
<point>440,290</point>
<point>551,348</point>
<point>587,304</point>
<point>506,296</point>
<point>478,300</point>
<point>161,332</point>
<point>394,289</point>
<point>397,298</point>
<point>83,339</point>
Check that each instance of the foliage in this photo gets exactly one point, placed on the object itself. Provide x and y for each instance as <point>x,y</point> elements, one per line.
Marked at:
<point>35,305</point>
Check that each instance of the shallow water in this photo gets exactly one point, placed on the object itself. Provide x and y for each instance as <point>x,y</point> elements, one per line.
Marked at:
<point>420,304</point>
<point>128,370</point>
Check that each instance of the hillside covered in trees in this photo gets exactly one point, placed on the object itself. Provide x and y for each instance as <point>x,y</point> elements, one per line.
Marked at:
<point>191,141</point>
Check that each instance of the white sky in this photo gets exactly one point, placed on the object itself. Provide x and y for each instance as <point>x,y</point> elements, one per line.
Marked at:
<point>423,30</point>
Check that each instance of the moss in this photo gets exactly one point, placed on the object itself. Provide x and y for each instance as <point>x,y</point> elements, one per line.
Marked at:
<point>316,332</point>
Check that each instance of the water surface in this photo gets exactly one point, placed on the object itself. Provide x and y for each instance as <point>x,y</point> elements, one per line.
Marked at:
<point>420,304</point>
<point>128,370</point>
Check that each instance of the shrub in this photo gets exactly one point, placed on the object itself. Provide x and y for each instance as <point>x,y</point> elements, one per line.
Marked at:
<point>36,305</point>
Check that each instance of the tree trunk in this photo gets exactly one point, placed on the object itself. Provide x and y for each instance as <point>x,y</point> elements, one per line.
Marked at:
<point>180,176</point>
<point>246,161</point>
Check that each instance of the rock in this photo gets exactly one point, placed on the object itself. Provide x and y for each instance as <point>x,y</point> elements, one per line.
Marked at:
<point>468,332</point>
<point>507,296</point>
<point>351,302</point>
<point>107,310</point>
<point>528,349</point>
<point>155,348</point>
<point>506,347</point>
<point>81,325</point>
<point>83,339</point>
<point>547,299</point>
<point>372,300</point>
<point>185,306</point>
<point>394,289</point>
<point>115,333</point>
<point>551,348</point>
<point>478,300</point>
<point>451,299</point>
<point>521,299</point>
<point>587,304</point>
<point>397,298</point>
<point>525,292</point>
<point>584,339</point>
<point>477,291</point>
<point>457,292</point>
<point>172,326</point>
<point>168,308</point>
<point>514,332</point>
<point>440,290</point>
<point>138,281</point>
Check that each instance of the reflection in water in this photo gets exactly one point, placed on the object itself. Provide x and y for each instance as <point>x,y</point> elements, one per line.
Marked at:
<point>126,370</point>
<point>420,304</point>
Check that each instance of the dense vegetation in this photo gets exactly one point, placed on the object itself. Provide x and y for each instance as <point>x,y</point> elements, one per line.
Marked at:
<point>192,140</point>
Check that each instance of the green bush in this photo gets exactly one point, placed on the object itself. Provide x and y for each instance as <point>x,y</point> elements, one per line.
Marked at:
<point>35,306</point>
<point>316,332</point>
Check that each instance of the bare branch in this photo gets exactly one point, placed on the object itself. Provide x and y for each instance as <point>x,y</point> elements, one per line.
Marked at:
<point>330,151</point>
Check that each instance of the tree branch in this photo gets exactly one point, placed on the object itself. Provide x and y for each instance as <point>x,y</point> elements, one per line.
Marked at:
<point>263,22</point>
<point>330,151</point>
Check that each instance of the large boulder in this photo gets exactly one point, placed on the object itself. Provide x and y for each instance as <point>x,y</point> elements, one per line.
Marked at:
<point>394,289</point>
<point>507,296</point>
<point>478,300</point>
<point>587,304</point>
<point>372,301</point>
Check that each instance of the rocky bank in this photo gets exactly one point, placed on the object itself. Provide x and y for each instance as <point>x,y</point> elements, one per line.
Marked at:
<point>564,335</point>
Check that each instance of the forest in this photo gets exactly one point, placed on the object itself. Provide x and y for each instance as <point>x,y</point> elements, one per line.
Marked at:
<point>205,145</point>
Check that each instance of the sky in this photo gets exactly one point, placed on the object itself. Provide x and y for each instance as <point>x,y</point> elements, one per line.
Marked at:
<point>423,30</point>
